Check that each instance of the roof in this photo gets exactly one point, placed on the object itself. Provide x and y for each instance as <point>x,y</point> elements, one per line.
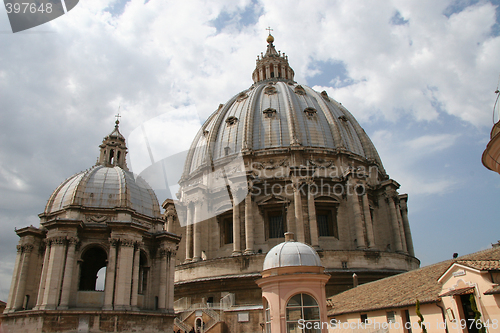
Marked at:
<point>492,291</point>
<point>291,253</point>
<point>482,265</point>
<point>404,289</point>
<point>274,114</point>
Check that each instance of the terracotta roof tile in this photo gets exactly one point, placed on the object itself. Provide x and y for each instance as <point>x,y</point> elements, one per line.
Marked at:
<point>482,265</point>
<point>403,289</point>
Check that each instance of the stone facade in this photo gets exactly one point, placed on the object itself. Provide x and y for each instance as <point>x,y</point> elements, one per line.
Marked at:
<point>280,157</point>
<point>101,260</point>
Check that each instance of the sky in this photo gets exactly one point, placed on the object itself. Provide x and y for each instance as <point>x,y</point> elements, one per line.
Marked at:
<point>418,75</point>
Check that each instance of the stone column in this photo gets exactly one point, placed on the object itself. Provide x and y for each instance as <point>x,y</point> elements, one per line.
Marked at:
<point>368,222</point>
<point>236,228</point>
<point>54,273</point>
<point>401,229</point>
<point>170,222</point>
<point>171,278</point>
<point>398,246</point>
<point>15,280</point>
<point>197,233</point>
<point>68,273</point>
<point>249,224</point>
<point>313,223</point>
<point>124,275</point>
<point>109,288</point>
<point>358,221</point>
<point>135,276</point>
<point>23,276</point>
<point>45,265</point>
<point>299,219</point>
<point>162,293</point>
<point>406,226</point>
<point>189,234</point>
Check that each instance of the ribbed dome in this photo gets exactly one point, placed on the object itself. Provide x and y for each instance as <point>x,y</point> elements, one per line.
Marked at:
<point>291,253</point>
<point>105,187</point>
<point>274,114</point>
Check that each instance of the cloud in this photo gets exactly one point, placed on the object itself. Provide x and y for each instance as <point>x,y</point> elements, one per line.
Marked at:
<point>61,83</point>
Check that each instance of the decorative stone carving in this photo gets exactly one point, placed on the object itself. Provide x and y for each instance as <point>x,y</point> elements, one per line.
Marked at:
<point>270,164</point>
<point>320,163</point>
<point>231,121</point>
<point>269,113</point>
<point>127,242</point>
<point>28,248</point>
<point>324,94</point>
<point>97,218</point>
<point>270,90</point>
<point>310,112</point>
<point>299,90</point>
<point>57,240</point>
<point>241,97</point>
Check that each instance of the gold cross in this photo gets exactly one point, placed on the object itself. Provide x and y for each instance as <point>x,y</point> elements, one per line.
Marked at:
<point>269,29</point>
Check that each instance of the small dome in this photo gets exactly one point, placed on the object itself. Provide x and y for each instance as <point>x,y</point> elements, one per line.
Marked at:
<point>105,187</point>
<point>291,253</point>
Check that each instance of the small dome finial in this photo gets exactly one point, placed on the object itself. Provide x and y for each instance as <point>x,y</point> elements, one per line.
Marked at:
<point>270,38</point>
<point>118,118</point>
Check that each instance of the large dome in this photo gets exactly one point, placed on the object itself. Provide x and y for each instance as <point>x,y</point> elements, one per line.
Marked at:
<point>105,187</point>
<point>277,113</point>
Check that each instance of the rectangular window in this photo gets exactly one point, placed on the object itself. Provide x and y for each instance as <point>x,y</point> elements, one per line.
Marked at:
<point>391,317</point>
<point>326,219</point>
<point>226,230</point>
<point>364,317</point>
<point>276,228</point>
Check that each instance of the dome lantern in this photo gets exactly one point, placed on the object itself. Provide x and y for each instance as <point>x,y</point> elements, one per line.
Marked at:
<point>113,149</point>
<point>273,65</point>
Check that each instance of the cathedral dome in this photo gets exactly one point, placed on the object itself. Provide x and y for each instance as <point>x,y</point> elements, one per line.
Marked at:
<point>276,113</point>
<point>291,253</point>
<point>108,184</point>
<point>105,187</point>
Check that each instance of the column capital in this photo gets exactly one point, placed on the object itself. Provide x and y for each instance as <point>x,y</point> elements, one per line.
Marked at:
<point>28,248</point>
<point>19,248</point>
<point>73,241</point>
<point>127,242</point>
<point>57,240</point>
<point>114,241</point>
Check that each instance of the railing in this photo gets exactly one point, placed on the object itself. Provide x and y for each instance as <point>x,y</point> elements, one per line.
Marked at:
<point>181,325</point>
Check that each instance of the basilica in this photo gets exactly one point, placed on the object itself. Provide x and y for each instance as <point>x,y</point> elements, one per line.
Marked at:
<point>283,202</point>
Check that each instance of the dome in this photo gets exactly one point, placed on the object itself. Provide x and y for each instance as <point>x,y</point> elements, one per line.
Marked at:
<point>291,253</point>
<point>109,184</point>
<point>105,187</point>
<point>276,113</point>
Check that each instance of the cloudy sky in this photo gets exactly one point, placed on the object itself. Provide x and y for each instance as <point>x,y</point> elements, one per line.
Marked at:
<point>418,75</point>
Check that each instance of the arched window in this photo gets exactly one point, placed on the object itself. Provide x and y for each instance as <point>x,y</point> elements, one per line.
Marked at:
<point>267,316</point>
<point>93,259</point>
<point>143,273</point>
<point>302,306</point>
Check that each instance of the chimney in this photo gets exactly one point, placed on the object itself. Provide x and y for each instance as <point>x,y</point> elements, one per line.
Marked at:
<point>354,280</point>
